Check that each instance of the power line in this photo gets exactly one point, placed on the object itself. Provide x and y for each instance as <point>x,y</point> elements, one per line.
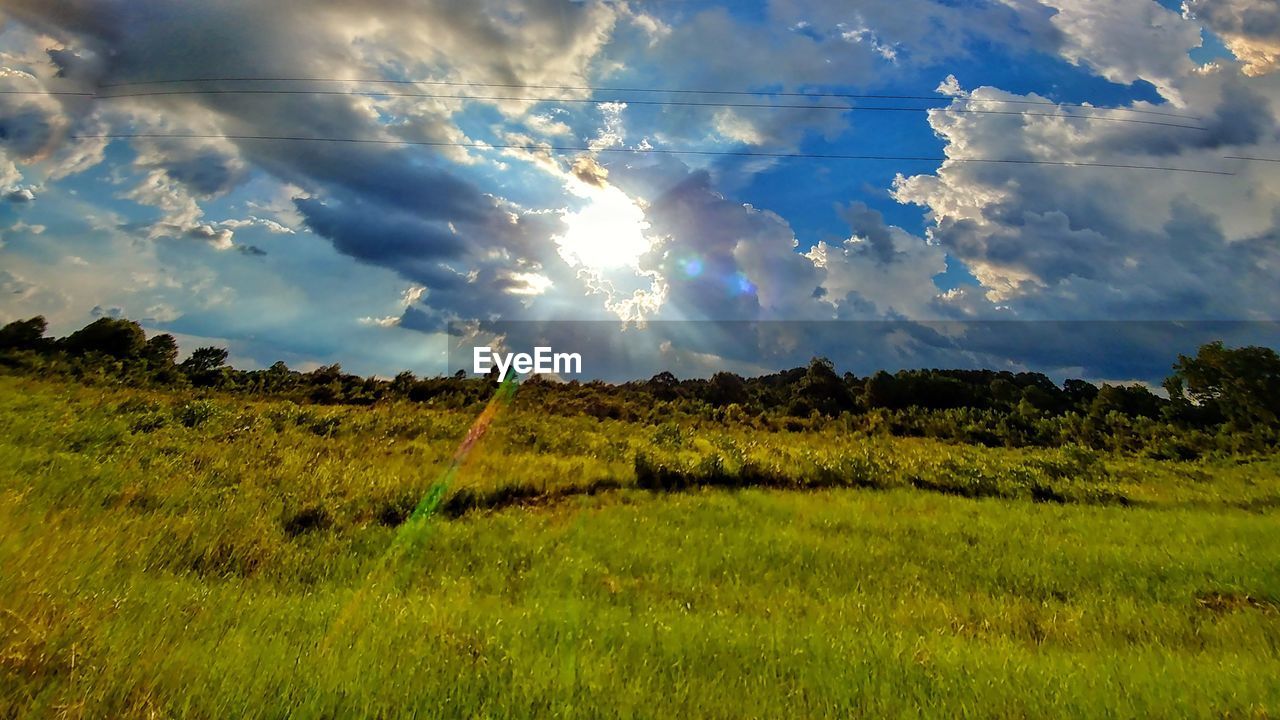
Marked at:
<point>675,91</point>
<point>632,101</point>
<point>1251,159</point>
<point>639,151</point>
<point>677,103</point>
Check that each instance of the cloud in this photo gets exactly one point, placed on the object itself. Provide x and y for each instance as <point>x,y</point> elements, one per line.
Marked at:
<point>1126,40</point>
<point>386,322</point>
<point>111,312</point>
<point>205,169</point>
<point>20,196</point>
<point>722,260</point>
<point>870,231</point>
<point>72,65</point>
<point>218,238</point>
<point>394,238</point>
<point>586,169</point>
<point>1091,243</point>
<point>269,225</point>
<point>30,125</point>
<point>737,128</point>
<point>181,212</point>
<point>21,297</point>
<point>549,43</point>
<point>478,234</point>
<point>26,227</point>
<point>880,271</point>
<point>1249,28</point>
<point>411,210</point>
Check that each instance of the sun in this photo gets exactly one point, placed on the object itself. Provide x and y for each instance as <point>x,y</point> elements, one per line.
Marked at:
<point>606,233</point>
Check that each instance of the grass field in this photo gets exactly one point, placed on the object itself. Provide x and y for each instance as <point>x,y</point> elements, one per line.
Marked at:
<point>165,555</point>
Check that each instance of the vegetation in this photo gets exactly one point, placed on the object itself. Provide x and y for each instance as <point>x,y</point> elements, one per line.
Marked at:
<point>1223,401</point>
<point>187,540</point>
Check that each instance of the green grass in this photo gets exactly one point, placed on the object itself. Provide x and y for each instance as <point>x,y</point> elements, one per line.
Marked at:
<point>164,555</point>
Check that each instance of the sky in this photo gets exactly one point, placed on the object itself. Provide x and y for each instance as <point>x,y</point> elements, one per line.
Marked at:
<point>529,161</point>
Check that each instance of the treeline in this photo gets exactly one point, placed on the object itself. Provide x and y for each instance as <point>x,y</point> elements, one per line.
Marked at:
<point>1222,400</point>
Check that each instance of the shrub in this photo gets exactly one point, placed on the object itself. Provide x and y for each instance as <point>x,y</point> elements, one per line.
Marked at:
<point>196,413</point>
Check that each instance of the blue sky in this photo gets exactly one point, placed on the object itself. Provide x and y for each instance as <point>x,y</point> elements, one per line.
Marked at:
<point>317,252</point>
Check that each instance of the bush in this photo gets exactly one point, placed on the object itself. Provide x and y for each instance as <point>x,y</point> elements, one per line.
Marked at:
<point>196,413</point>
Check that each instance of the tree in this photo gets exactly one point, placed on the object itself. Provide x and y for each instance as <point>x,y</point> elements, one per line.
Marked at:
<point>1079,393</point>
<point>1036,401</point>
<point>161,351</point>
<point>1243,384</point>
<point>823,390</point>
<point>206,366</point>
<point>881,391</point>
<point>930,389</point>
<point>326,384</point>
<point>24,334</point>
<point>1004,392</point>
<point>663,386</point>
<point>402,383</point>
<point>278,378</point>
<point>726,388</point>
<point>1130,400</point>
<point>205,360</point>
<point>121,339</point>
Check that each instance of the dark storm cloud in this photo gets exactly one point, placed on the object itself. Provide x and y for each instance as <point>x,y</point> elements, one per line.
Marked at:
<point>1240,115</point>
<point>1183,269</point>
<point>1242,118</point>
<point>422,319</point>
<point>26,128</point>
<point>1044,244</point>
<point>204,171</point>
<point>205,174</point>
<point>868,224</point>
<point>385,177</point>
<point>384,237</point>
<point>704,230</point>
<point>74,66</point>
<point>854,306</point>
<point>111,312</point>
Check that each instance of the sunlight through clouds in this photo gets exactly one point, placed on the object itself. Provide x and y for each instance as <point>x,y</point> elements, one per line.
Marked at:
<point>607,233</point>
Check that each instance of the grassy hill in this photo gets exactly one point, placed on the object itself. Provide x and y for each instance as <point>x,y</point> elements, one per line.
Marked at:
<point>168,554</point>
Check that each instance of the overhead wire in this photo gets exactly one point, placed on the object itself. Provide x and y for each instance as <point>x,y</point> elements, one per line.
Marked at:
<point>635,101</point>
<point>640,151</point>
<point>614,89</point>
<point>114,93</point>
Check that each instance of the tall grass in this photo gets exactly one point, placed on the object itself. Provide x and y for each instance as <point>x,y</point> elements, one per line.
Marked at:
<point>180,556</point>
